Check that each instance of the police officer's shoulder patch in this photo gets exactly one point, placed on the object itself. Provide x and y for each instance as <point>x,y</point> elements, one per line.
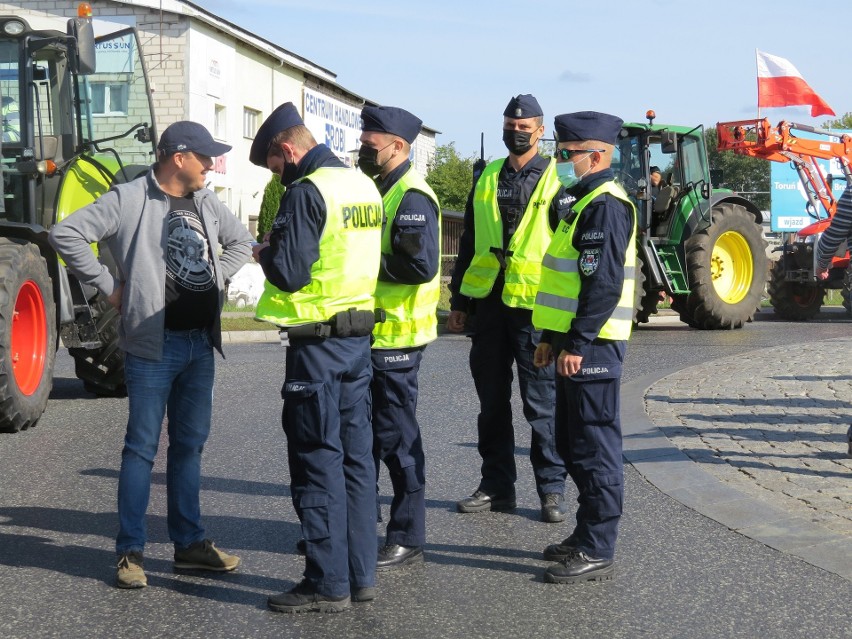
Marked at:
<point>592,236</point>
<point>563,206</point>
<point>589,261</point>
<point>410,217</point>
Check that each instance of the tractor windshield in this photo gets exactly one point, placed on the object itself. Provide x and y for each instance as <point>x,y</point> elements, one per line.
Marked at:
<point>629,166</point>
<point>10,125</point>
<point>38,124</point>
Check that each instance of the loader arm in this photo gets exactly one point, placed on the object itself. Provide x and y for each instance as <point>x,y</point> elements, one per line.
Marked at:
<point>759,139</point>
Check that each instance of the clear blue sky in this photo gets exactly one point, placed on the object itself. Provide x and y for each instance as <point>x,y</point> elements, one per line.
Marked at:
<point>455,64</point>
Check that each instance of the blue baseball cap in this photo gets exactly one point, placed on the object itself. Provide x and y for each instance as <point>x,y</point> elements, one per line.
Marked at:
<point>286,116</point>
<point>391,120</point>
<point>185,136</point>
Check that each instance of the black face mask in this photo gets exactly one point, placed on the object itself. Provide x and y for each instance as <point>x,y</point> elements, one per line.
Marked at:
<point>289,174</point>
<point>368,160</point>
<point>518,142</point>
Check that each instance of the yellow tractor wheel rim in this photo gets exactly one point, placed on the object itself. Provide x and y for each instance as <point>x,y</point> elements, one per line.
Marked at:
<point>731,267</point>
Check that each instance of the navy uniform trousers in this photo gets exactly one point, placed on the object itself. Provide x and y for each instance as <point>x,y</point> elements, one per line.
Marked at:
<point>588,435</point>
<point>397,441</point>
<point>326,418</point>
<point>503,334</point>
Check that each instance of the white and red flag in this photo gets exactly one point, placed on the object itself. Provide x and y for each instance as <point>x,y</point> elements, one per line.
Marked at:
<point>779,84</point>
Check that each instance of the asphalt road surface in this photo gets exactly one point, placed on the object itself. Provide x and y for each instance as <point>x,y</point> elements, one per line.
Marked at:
<point>679,574</point>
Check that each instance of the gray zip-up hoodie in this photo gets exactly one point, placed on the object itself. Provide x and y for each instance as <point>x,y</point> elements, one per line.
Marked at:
<point>131,219</point>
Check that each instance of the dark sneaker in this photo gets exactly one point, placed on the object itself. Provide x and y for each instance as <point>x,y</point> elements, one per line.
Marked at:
<point>130,573</point>
<point>579,568</point>
<point>362,594</point>
<point>481,501</point>
<point>553,508</point>
<point>203,555</point>
<point>561,551</point>
<point>304,598</point>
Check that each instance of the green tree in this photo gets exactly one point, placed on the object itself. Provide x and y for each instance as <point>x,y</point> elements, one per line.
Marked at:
<point>451,177</point>
<point>269,206</point>
<point>844,122</point>
<point>748,176</point>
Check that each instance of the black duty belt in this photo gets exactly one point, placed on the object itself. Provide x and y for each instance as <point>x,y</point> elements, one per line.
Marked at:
<point>349,323</point>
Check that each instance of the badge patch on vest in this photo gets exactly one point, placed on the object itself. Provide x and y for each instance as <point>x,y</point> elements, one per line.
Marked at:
<point>589,261</point>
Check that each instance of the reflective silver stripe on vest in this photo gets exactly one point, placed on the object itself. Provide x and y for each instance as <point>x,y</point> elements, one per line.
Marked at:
<point>560,264</point>
<point>620,313</point>
<point>568,265</point>
<point>556,301</point>
<point>570,306</point>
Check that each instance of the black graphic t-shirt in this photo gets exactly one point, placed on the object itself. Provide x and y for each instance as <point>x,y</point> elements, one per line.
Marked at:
<point>192,299</point>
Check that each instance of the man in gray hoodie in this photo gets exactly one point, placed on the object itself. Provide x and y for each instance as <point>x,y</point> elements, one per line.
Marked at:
<point>163,230</point>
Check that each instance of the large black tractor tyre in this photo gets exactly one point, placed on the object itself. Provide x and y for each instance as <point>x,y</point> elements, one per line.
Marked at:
<point>102,369</point>
<point>846,292</point>
<point>27,335</point>
<point>644,301</point>
<point>727,268</point>
<point>793,301</point>
<point>680,306</point>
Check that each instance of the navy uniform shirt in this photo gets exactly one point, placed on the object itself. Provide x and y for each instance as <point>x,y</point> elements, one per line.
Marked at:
<point>294,241</point>
<point>603,233</point>
<point>414,235</point>
<point>514,189</point>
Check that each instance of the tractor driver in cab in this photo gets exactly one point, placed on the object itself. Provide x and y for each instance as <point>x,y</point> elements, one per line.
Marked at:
<point>656,181</point>
<point>11,120</point>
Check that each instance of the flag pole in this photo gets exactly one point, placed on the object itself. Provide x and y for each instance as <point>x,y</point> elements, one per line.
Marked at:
<point>757,74</point>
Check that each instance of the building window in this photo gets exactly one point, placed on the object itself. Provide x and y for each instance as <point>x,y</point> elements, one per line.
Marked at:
<point>220,130</point>
<point>251,119</point>
<point>109,98</point>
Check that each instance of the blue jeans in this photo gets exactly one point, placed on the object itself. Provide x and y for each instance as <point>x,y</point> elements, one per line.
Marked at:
<point>181,386</point>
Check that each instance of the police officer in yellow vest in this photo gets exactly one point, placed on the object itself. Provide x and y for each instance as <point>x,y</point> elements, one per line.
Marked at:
<point>585,306</point>
<point>321,261</point>
<point>408,290</point>
<point>515,205</point>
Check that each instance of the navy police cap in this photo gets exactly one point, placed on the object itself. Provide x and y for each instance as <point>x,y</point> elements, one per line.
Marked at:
<point>185,136</point>
<point>284,117</point>
<point>523,106</point>
<point>587,125</point>
<point>391,120</point>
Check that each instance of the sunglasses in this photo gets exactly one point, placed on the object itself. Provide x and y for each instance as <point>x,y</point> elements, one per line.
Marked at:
<point>568,154</point>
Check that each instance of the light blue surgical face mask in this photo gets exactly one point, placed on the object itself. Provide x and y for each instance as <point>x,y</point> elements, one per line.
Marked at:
<point>565,173</point>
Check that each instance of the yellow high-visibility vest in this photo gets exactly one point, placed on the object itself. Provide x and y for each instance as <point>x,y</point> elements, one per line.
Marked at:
<point>345,274</point>
<point>410,318</point>
<point>526,246</point>
<point>557,299</point>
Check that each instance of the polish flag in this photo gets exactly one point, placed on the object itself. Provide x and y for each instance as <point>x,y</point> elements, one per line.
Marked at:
<point>779,84</point>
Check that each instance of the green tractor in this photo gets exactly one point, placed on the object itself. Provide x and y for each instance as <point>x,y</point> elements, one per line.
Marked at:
<point>77,116</point>
<point>700,247</point>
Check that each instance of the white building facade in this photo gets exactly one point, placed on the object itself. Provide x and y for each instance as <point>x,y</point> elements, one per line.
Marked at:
<point>209,70</point>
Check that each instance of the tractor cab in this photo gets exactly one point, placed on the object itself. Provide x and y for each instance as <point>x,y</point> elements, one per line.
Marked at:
<point>683,189</point>
<point>76,115</point>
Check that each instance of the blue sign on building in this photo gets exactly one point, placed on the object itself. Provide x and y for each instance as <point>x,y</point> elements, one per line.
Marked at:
<point>789,201</point>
